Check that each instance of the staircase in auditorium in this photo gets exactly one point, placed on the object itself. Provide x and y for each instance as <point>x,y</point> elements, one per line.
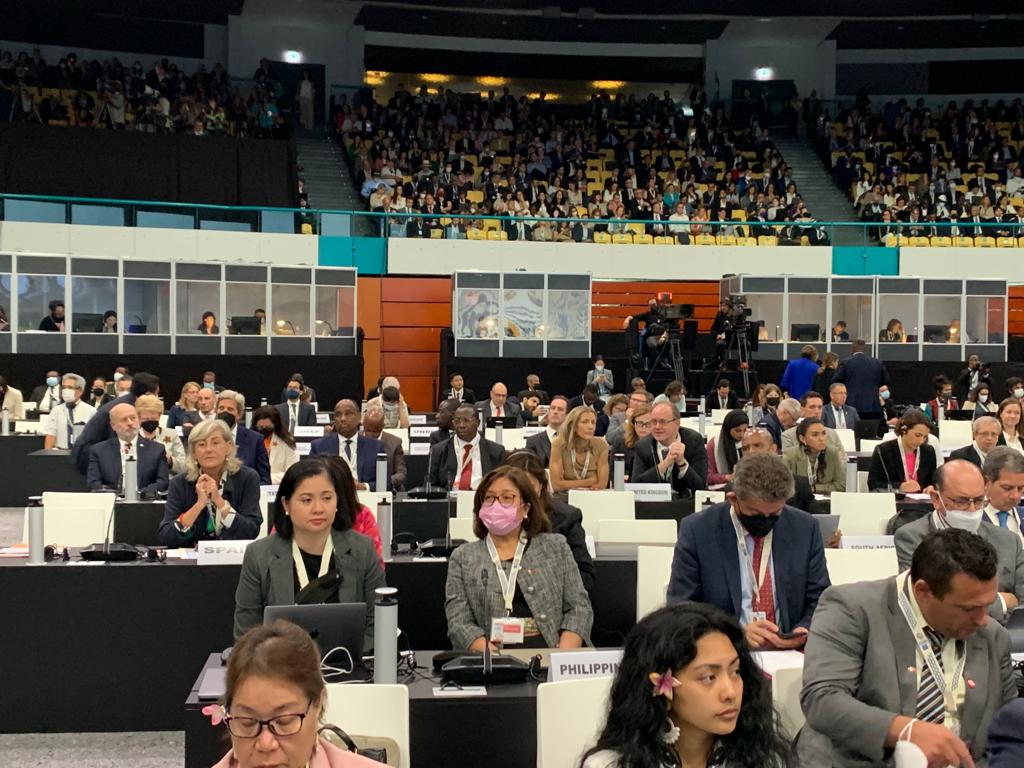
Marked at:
<point>328,181</point>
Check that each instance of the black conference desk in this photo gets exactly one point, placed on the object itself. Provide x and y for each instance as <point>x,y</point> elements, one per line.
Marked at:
<point>116,647</point>
<point>499,730</point>
<point>28,470</point>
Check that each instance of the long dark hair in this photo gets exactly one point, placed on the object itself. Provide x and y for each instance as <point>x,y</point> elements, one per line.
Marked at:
<point>529,463</point>
<point>821,463</point>
<point>271,413</point>
<point>733,419</point>
<point>667,639</point>
<point>337,471</point>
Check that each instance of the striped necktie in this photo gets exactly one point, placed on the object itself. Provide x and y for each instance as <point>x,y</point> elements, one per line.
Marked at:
<point>931,708</point>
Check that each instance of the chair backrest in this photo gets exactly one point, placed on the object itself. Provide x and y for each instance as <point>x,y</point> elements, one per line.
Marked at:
<point>718,415</point>
<point>653,571</point>
<point>371,710</point>
<point>699,497</point>
<point>603,505</point>
<point>371,499</point>
<point>464,504</point>
<point>955,434</point>
<point>867,446</point>
<point>570,715</point>
<point>28,427</point>
<point>462,528</point>
<point>863,514</point>
<point>848,439</point>
<point>846,566</point>
<point>401,434</point>
<point>265,511</point>
<point>512,439</point>
<point>75,519</point>
<point>862,482</point>
<point>637,531</point>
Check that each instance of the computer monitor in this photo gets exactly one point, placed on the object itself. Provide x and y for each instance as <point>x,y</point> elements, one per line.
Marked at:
<point>137,329</point>
<point>87,322</point>
<point>805,332</point>
<point>419,520</point>
<point>246,325</point>
<point>936,334</point>
<point>507,422</point>
<point>331,625</point>
<point>138,523</point>
<point>866,429</point>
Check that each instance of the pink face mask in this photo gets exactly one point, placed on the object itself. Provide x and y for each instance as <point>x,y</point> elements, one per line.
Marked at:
<point>500,519</point>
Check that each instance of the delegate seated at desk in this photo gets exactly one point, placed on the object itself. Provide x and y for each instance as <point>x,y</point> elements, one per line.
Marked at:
<point>907,463</point>
<point>107,460</point>
<point>531,574</point>
<point>217,498</point>
<point>314,554</point>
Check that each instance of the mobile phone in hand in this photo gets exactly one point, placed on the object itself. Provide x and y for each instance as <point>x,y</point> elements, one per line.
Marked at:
<point>789,635</point>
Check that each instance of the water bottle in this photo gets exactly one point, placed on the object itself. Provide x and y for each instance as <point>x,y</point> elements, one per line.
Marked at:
<point>248,418</point>
<point>381,484</point>
<point>384,525</point>
<point>851,477</point>
<point>263,401</point>
<point>702,420</point>
<point>131,479</point>
<point>5,423</point>
<point>385,636</point>
<point>499,433</point>
<point>619,472</point>
<point>34,515</point>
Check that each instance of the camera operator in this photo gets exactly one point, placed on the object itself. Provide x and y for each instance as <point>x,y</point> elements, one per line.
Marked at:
<point>974,374</point>
<point>657,327</point>
<point>733,317</point>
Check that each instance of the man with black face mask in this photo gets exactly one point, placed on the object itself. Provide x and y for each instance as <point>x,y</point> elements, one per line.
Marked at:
<point>773,591</point>
<point>54,322</point>
<point>249,446</point>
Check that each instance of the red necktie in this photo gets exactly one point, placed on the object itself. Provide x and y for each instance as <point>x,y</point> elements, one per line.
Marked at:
<point>498,413</point>
<point>466,476</point>
<point>765,602</point>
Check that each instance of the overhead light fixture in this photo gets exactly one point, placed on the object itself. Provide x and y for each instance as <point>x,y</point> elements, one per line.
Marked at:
<point>547,96</point>
<point>607,85</point>
<point>371,80</point>
<point>492,82</point>
<point>431,77</point>
<point>293,57</point>
<point>764,73</point>
<point>377,73</point>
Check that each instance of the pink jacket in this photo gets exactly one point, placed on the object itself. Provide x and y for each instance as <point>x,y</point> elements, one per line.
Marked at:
<point>324,756</point>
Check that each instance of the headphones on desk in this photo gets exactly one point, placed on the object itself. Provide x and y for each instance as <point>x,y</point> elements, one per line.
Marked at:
<point>53,552</point>
<point>407,539</point>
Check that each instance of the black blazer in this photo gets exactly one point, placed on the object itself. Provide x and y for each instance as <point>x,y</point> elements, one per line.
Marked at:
<point>444,464</point>
<point>540,446</point>
<point>967,453</point>
<point>439,435</point>
<point>711,400</point>
<point>512,410</point>
<point>105,466</point>
<point>887,466</point>
<point>96,430</point>
<point>862,376</point>
<point>307,414</point>
<point>646,458</point>
<point>568,521</point>
<point>241,491</point>
<point>468,395</point>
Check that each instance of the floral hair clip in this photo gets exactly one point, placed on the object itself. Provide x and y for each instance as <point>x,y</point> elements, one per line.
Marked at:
<point>215,712</point>
<point>663,684</point>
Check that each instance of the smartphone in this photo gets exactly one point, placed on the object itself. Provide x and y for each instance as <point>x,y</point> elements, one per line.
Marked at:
<point>789,635</point>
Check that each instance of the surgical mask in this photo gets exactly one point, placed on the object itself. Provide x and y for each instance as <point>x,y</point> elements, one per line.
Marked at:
<point>97,391</point>
<point>500,519</point>
<point>68,395</point>
<point>963,519</point>
<point>118,376</point>
<point>293,394</point>
<point>758,526</point>
<point>982,398</point>
<point>52,381</point>
<point>884,395</point>
<point>150,425</point>
<point>227,418</point>
<point>209,385</point>
<point>1018,393</point>
<point>906,754</point>
<point>598,366</point>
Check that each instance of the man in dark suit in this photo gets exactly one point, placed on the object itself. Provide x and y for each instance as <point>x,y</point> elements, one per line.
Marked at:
<point>862,376</point>
<point>498,405</point>
<point>837,414</point>
<point>786,415</point>
<point>294,412</point>
<point>722,396</point>
<point>460,463</point>
<point>306,394</point>
<point>373,426</point>
<point>107,460</point>
<point>445,411</point>
<point>249,447</point>
<point>457,390</point>
<point>359,451</point>
<point>987,430</point>
<point>540,444</point>
<point>1006,736</point>
<point>97,429</point>
<point>671,454</point>
<point>725,556</point>
<point>533,388</point>
<point>590,397</point>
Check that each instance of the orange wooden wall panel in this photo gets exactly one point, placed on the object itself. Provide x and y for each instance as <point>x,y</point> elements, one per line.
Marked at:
<point>406,314</point>
<point>405,363</point>
<point>371,363</point>
<point>368,306</point>
<point>418,392</point>
<point>410,340</point>
<point>417,289</point>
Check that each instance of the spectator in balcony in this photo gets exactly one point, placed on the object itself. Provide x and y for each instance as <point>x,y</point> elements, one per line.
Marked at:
<point>307,96</point>
<point>208,326</point>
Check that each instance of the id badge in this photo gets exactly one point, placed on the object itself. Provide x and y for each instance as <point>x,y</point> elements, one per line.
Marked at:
<point>508,631</point>
<point>758,616</point>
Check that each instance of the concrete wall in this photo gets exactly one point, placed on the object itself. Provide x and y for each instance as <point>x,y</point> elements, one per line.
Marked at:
<point>981,263</point>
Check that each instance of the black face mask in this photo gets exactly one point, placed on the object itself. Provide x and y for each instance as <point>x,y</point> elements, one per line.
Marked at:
<point>227,418</point>
<point>150,425</point>
<point>97,392</point>
<point>758,526</point>
<point>772,401</point>
<point>265,431</point>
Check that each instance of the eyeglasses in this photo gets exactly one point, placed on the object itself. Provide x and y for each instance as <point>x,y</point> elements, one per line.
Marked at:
<point>251,727</point>
<point>643,424</point>
<point>504,498</point>
<point>662,422</point>
<point>967,503</point>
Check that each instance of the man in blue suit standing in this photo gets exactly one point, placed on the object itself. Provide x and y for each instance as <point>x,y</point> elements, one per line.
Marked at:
<point>358,451</point>
<point>754,557</point>
<point>249,447</point>
<point>862,375</point>
<point>108,460</point>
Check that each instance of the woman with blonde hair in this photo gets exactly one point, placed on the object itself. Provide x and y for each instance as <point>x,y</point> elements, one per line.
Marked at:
<point>578,458</point>
<point>182,413</point>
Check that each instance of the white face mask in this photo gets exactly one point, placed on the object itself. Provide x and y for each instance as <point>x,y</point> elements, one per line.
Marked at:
<point>963,519</point>
<point>982,398</point>
<point>1018,393</point>
<point>598,366</point>
<point>68,395</point>
<point>907,754</point>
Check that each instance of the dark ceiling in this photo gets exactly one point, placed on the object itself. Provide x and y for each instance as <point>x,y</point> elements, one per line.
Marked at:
<point>929,33</point>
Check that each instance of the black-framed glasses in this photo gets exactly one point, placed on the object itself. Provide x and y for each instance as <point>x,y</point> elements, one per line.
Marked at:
<point>252,727</point>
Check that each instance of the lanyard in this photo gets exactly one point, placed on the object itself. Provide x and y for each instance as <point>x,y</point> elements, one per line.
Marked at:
<point>508,583</point>
<point>924,647</point>
<point>300,566</point>
<point>212,523</point>
<point>586,464</point>
<point>766,553</point>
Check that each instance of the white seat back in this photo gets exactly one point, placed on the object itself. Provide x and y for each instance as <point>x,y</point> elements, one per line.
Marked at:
<point>264,510</point>
<point>464,504</point>
<point>371,710</point>
<point>653,571</point>
<point>863,514</point>
<point>846,566</point>
<point>29,407</point>
<point>512,439</point>
<point>862,482</point>
<point>654,532</point>
<point>75,519</point>
<point>603,505</point>
<point>955,434</point>
<point>718,415</point>
<point>848,439</point>
<point>462,528</point>
<point>700,497</point>
<point>868,446</point>
<point>401,434</point>
<point>570,715</point>
<point>28,427</point>
<point>371,499</point>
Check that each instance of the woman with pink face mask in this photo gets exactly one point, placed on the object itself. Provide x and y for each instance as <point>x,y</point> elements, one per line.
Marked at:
<point>517,579</point>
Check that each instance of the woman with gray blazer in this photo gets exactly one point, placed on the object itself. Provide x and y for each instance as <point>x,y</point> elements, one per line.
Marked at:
<point>515,569</point>
<point>313,556</point>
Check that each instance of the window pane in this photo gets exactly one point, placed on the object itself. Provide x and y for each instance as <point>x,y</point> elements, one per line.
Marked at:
<point>91,299</point>
<point>147,306</point>
<point>34,295</point>
<point>195,298</point>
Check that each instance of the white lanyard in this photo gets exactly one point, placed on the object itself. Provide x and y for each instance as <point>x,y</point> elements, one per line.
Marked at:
<point>586,464</point>
<point>508,583</point>
<point>300,566</point>
<point>766,553</point>
<point>924,646</point>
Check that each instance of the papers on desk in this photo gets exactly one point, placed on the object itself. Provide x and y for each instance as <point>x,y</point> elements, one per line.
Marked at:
<point>771,662</point>
<point>918,497</point>
<point>16,551</point>
<point>821,497</point>
<point>182,554</point>
<point>464,691</point>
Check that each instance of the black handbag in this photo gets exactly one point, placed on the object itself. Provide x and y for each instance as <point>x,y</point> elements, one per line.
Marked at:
<point>377,754</point>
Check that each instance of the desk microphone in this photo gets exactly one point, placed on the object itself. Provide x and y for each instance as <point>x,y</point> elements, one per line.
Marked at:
<point>426,491</point>
<point>885,469</point>
<point>111,552</point>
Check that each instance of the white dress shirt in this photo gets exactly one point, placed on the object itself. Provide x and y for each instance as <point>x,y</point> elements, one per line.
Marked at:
<point>840,417</point>
<point>353,462</point>
<point>57,423</point>
<point>474,457</point>
<point>50,400</point>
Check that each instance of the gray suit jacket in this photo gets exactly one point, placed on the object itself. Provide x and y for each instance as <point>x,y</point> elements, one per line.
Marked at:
<point>396,460</point>
<point>858,640</point>
<point>1010,569</point>
<point>268,578</point>
<point>789,440</point>
<point>549,580</point>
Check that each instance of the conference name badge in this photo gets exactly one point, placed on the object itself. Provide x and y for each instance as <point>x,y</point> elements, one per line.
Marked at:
<point>508,631</point>
<point>758,616</point>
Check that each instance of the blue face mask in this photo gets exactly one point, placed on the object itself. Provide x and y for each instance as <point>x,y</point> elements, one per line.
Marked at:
<point>293,394</point>
<point>884,395</point>
<point>208,385</point>
<point>52,381</point>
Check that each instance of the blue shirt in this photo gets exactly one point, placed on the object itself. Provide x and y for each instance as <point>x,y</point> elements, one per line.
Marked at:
<point>799,377</point>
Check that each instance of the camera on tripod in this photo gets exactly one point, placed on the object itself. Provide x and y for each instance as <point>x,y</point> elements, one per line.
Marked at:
<point>738,319</point>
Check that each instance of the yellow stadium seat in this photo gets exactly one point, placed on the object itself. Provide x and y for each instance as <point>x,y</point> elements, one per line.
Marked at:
<point>475,195</point>
<point>1006,242</point>
<point>475,234</point>
<point>607,154</point>
<point>739,215</point>
<point>491,224</point>
<point>622,237</point>
<point>664,240</point>
<point>919,242</point>
<point>594,186</point>
<point>637,229</point>
<point>643,239</point>
<point>595,164</point>
<point>306,228</point>
<point>1017,202</point>
<point>704,240</point>
<point>505,160</point>
<point>726,240</point>
<point>767,240</point>
<point>436,234</point>
<point>940,242</point>
<point>890,240</point>
<point>602,237</point>
<point>805,240</point>
<point>963,242</point>
<point>746,241</point>
<point>1020,241</point>
<point>984,242</point>
<point>497,234</point>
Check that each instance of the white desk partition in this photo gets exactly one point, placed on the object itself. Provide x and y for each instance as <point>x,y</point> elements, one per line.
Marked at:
<point>785,669</point>
<point>401,434</point>
<point>863,514</point>
<point>653,571</point>
<point>700,497</point>
<point>462,528</point>
<point>868,446</point>
<point>848,439</point>
<point>955,434</point>
<point>512,439</point>
<point>74,519</point>
<point>570,714</point>
<point>464,503</point>
<point>603,505</point>
<point>718,414</point>
<point>372,498</point>
<point>372,710</point>
<point>28,427</point>
<point>847,566</point>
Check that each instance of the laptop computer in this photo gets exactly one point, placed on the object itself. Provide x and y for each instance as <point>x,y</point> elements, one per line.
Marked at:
<point>828,524</point>
<point>866,429</point>
<point>138,523</point>
<point>332,626</point>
